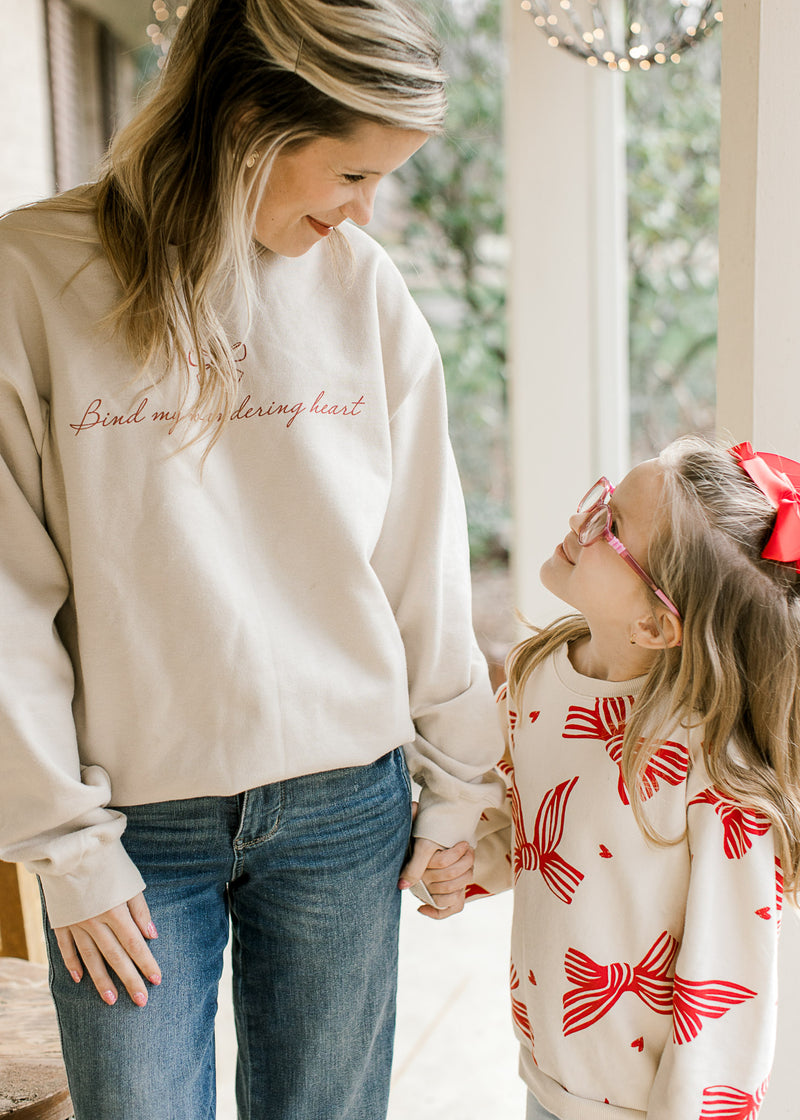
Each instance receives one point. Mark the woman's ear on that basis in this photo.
(660, 631)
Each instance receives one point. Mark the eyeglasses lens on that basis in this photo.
(593, 525)
(595, 495)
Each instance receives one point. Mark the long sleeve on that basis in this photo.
(492, 873)
(53, 817)
(422, 561)
(725, 988)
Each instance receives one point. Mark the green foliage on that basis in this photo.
(673, 199)
(453, 251)
(453, 257)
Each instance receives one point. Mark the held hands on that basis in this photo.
(444, 872)
(116, 938)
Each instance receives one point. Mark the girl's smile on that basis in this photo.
(563, 554)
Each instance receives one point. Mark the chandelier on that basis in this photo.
(162, 32)
(625, 34)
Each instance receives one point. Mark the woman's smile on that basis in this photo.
(320, 227)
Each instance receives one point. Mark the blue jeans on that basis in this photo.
(306, 873)
(537, 1111)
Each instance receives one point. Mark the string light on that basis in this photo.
(648, 32)
(162, 32)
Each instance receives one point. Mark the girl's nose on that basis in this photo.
(575, 522)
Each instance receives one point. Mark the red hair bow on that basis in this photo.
(778, 479)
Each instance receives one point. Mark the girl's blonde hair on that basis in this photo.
(175, 203)
(737, 672)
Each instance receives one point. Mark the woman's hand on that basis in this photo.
(445, 873)
(117, 938)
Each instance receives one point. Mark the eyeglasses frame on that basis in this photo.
(606, 534)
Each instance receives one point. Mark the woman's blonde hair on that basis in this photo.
(737, 671)
(175, 202)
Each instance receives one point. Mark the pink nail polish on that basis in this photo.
(403, 885)
(110, 998)
(152, 932)
(139, 998)
(76, 976)
(156, 980)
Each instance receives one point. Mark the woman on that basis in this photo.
(236, 571)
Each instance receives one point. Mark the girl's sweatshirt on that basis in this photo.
(302, 604)
(643, 977)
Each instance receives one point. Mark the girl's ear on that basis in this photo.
(664, 631)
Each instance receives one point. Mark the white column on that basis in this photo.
(26, 168)
(758, 390)
(758, 386)
(567, 289)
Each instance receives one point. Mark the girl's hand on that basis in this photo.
(445, 873)
(115, 938)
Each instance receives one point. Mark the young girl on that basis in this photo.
(653, 813)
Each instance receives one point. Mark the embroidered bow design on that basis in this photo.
(695, 1000)
(606, 722)
(777, 478)
(723, 1102)
(598, 987)
(738, 822)
(548, 829)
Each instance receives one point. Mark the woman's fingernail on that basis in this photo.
(403, 885)
(139, 998)
(110, 998)
(155, 979)
(76, 976)
(152, 932)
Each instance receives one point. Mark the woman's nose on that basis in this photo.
(359, 208)
(575, 522)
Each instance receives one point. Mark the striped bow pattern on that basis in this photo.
(598, 987)
(723, 1102)
(695, 1000)
(540, 853)
(519, 1011)
(606, 722)
(738, 822)
(778, 891)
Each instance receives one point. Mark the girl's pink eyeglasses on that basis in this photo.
(597, 523)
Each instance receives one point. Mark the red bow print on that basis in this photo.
(600, 986)
(778, 891)
(694, 1001)
(778, 479)
(723, 1102)
(519, 1011)
(505, 768)
(540, 854)
(738, 822)
(606, 722)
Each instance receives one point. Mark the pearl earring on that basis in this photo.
(253, 157)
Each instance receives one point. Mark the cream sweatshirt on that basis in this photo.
(301, 605)
(643, 978)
